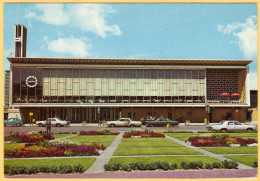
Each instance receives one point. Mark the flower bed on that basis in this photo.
(143, 134)
(103, 132)
(31, 137)
(53, 150)
(217, 140)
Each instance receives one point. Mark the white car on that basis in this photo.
(230, 125)
(54, 122)
(124, 122)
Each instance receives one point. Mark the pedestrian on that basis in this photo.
(48, 126)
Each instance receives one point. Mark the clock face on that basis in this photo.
(31, 81)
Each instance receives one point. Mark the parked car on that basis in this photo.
(144, 120)
(161, 122)
(230, 125)
(124, 122)
(54, 122)
(13, 122)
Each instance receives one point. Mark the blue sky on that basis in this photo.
(154, 31)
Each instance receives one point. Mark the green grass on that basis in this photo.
(96, 139)
(11, 146)
(149, 144)
(155, 151)
(56, 136)
(182, 136)
(231, 150)
(145, 140)
(246, 159)
(86, 162)
(170, 159)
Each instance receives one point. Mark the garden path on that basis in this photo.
(98, 165)
(207, 153)
(63, 137)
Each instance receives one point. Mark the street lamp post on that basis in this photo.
(236, 114)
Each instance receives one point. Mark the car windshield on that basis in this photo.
(59, 119)
(222, 122)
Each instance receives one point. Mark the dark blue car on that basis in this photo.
(13, 122)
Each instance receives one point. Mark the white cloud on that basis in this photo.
(78, 47)
(253, 81)
(86, 17)
(246, 35)
(50, 13)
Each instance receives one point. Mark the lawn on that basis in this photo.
(146, 140)
(86, 162)
(170, 159)
(155, 151)
(91, 139)
(231, 150)
(149, 144)
(182, 136)
(56, 136)
(246, 159)
(11, 146)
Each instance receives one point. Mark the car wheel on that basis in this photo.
(147, 125)
(58, 125)
(112, 125)
(249, 129)
(132, 125)
(40, 125)
(223, 130)
(18, 124)
(151, 125)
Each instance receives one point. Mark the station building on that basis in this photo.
(90, 90)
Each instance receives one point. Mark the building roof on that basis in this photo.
(127, 61)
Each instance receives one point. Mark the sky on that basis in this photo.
(145, 31)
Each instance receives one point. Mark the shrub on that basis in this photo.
(216, 165)
(126, 167)
(255, 164)
(229, 164)
(185, 165)
(44, 169)
(158, 164)
(165, 165)
(132, 165)
(209, 166)
(78, 168)
(151, 166)
(54, 169)
(7, 169)
(173, 166)
(196, 165)
(141, 166)
(116, 166)
(65, 169)
(108, 167)
(21, 169)
(32, 170)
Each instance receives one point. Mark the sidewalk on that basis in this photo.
(180, 174)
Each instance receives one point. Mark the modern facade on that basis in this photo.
(92, 89)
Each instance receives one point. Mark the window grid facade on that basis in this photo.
(64, 85)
